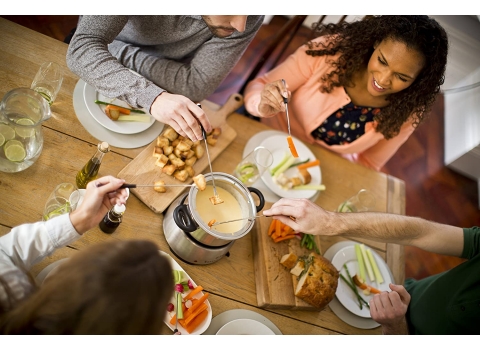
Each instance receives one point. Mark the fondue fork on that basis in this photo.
(135, 185)
(285, 100)
(204, 134)
(249, 218)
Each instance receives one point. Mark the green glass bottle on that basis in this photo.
(90, 171)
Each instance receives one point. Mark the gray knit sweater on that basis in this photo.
(178, 54)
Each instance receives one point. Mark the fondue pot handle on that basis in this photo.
(182, 218)
(260, 196)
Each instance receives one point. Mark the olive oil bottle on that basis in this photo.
(112, 219)
(90, 171)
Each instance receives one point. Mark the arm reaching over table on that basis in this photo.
(164, 64)
(382, 227)
(425, 306)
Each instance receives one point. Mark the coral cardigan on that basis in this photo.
(309, 107)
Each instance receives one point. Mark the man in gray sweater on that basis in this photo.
(162, 63)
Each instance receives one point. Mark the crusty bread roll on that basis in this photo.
(305, 176)
(317, 285)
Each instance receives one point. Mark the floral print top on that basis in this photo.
(345, 125)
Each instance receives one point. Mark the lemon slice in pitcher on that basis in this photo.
(7, 132)
(14, 151)
(24, 132)
(2, 139)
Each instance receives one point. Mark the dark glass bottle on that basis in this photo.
(113, 218)
(90, 171)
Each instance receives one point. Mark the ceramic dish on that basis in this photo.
(253, 142)
(344, 294)
(98, 113)
(114, 139)
(244, 326)
(204, 325)
(272, 143)
(223, 318)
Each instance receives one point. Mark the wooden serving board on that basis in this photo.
(275, 285)
(143, 171)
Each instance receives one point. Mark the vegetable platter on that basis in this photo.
(190, 292)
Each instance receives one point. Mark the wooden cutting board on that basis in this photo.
(275, 285)
(142, 169)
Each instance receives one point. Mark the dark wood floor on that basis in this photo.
(433, 191)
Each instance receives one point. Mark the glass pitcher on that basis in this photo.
(22, 112)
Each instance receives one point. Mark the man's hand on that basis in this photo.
(309, 217)
(181, 114)
(389, 309)
(271, 101)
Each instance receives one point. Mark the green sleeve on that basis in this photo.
(471, 242)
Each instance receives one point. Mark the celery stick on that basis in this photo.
(134, 118)
(361, 264)
(285, 158)
(285, 166)
(376, 271)
(309, 187)
(367, 263)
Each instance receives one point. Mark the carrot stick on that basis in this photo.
(195, 313)
(117, 108)
(200, 302)
(271, 229)
(279, 239)
(275, 235)
(365, 286)
(193, 292)
(293, 150)
(190, 328)
(188, 312)
(278, 227)
(308, 164)
(288, 230)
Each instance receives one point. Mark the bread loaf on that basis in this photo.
(318, 284)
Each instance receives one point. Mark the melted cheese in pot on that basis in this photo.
(229, 210)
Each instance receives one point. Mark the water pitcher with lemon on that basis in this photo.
(22, 112)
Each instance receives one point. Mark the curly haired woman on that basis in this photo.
(360, 89)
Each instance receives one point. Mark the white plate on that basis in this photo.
(253, 142)
(204, 325)
(344, 294)
(103, 134)
(48, 271)
(278, 145)
(97, 112)
(336, 307)
(235, 314)
(245, 326)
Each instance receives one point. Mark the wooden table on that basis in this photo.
(231, 281)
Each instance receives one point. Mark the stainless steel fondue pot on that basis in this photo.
(194, 241)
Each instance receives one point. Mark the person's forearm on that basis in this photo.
(405, 230)
(398, 329)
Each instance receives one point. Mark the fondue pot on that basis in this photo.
(191, 239)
